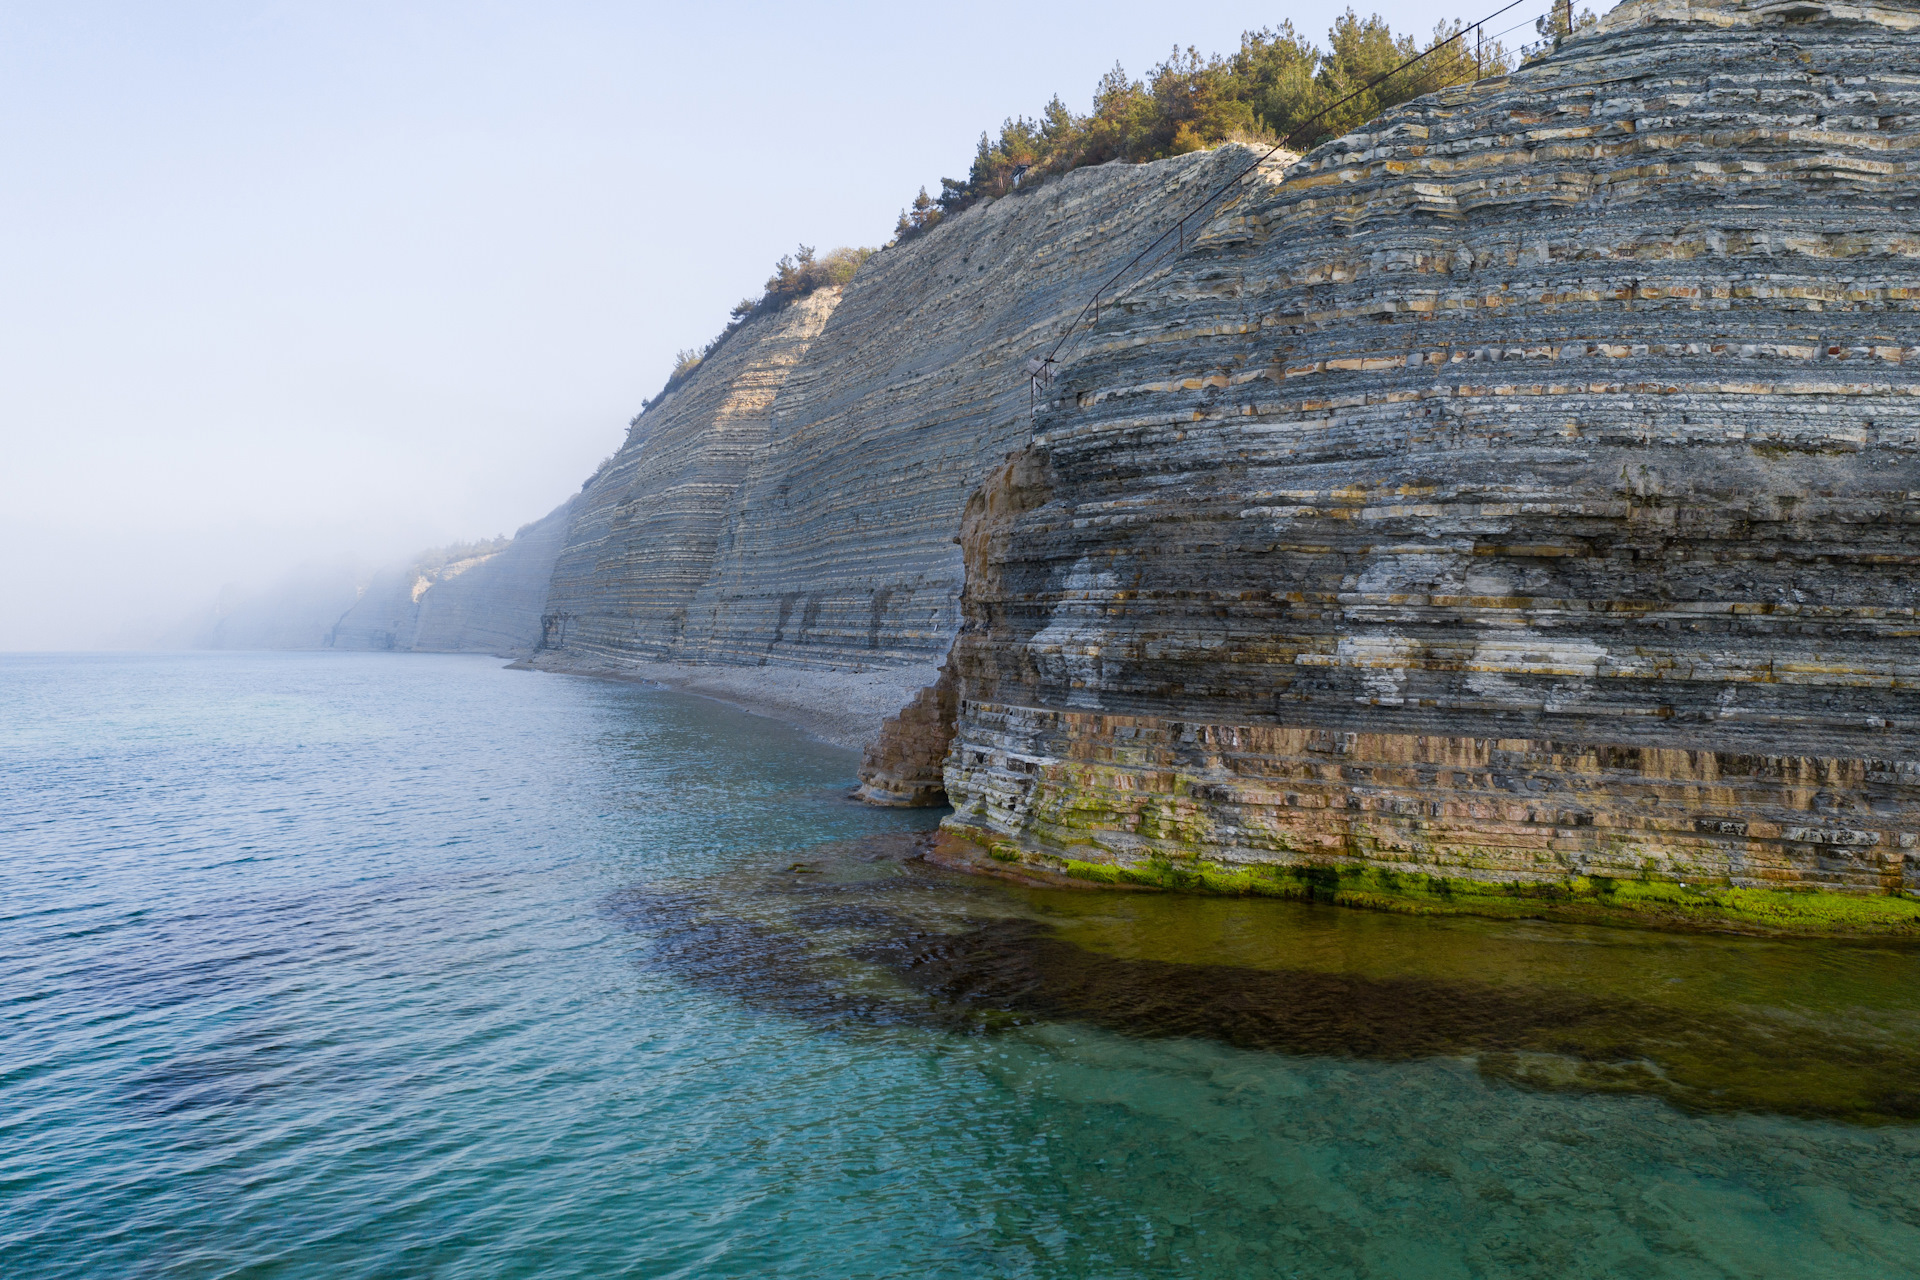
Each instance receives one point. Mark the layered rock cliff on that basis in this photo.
(794, 504)
(842, 550)
(642, 540)
(1524, 489)
(387, 613)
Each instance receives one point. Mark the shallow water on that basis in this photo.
(372, 965)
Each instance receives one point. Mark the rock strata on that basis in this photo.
(645, 529)
(904, 765)
(1524, 489)
(794, 504)
(840, 552)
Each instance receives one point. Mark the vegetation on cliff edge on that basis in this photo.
(796, 275)
(1273, 87)
(1267, 91)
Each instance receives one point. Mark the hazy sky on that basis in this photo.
(281, 282)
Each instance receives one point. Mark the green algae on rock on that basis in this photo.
(1579, 899)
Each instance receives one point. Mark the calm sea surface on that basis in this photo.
(395, 965)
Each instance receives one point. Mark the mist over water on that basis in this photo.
(368, 965)
(297, 283)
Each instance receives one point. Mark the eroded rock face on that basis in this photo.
(1526, 486)
(842, 551)
(905, 765)
(795, 503)
(645, 528)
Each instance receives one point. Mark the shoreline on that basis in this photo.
(840, 708)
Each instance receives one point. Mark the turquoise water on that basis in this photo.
(395, 965)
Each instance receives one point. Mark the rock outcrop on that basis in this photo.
(1524, 489)
(905, 765)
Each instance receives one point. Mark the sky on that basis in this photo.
(284, 283)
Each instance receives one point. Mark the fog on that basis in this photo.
(296, 284)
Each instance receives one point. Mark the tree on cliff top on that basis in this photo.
(1265, 92)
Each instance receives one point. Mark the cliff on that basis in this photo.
(642, 539)
(480, 597)
(1522, 491)
(794, 505)
(386, 615)
(473, 598)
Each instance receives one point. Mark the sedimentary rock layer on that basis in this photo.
(644, 530)
(814, 528)
(1525, 486)
(842, 551)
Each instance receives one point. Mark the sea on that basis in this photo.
(395, 965)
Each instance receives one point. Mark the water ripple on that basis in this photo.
(376, 965)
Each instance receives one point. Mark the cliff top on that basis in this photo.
(1900, 15)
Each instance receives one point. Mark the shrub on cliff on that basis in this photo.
(1271, 89)
(798, 274)
(795, 276)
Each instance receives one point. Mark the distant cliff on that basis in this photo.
(495, 606)
(388, 612)
(294, 612)
(472, 597)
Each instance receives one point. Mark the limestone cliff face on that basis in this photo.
(841, 551)
(388, 611)
(643, 535)
(1527, 485)
(905, 765)
(796, 502)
